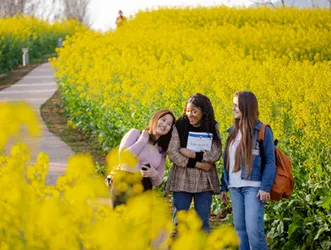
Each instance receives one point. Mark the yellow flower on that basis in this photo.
(137, 189)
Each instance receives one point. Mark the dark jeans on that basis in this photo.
(202, 204)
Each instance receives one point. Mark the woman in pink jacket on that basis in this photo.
(150, 148)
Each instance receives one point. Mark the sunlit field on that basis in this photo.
(39, 36)
(75, 213)
(114, 81)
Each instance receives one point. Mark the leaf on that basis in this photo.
(325, 203)
(292, 229)
(280, 227)
(323, 229)
(309, 220)
(296, 224)
(308, 197)
(326, 244)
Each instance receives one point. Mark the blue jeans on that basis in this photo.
(248, 213)
(202, 204)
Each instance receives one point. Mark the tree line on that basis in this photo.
(47, 9)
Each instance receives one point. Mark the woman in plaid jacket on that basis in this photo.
(193, 174)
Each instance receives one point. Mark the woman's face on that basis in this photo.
(193, 113)
(164, 125)
(235, 109)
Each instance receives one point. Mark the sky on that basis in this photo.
(103, 13)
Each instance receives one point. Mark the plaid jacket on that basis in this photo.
(192, 180)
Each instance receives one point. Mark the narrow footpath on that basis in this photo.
(36, 88)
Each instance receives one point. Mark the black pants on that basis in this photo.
(147, 183)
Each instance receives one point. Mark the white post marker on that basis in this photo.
(25, 56)
(59, 42)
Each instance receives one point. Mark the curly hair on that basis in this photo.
(208, 121)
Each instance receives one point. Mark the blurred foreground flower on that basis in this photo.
(14, 117)
(70, 216)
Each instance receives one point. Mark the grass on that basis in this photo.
(52, 112)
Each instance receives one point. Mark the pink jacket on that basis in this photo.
(146, 153)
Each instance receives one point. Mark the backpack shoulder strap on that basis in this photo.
(261, 140)
(261, 132)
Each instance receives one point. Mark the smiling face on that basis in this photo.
(194, 114)
(163, 125)
(236, 112)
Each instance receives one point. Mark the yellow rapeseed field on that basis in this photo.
(114, 81)
(72, 215)
(41, 37)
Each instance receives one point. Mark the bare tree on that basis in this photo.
(18, 7)
(10, 8)
(299, 3)
(50, 9)
(76, 9)
(264, 2)
(31, 7)
(320, 3)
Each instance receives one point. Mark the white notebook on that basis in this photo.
(197, 141)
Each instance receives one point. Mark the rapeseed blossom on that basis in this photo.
(71, 214)
(39, 36)
(161, 57)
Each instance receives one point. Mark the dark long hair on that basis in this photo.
(248, 107)
(163, 140)
(207, 123)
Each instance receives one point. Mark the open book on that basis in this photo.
(198, 141)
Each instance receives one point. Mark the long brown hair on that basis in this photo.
(248, 107)
(163, 140)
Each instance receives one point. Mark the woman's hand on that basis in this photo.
(187, 153)
(204, 166)
(224, 197)
(149, 172)
(264, 196)
(144, 134)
